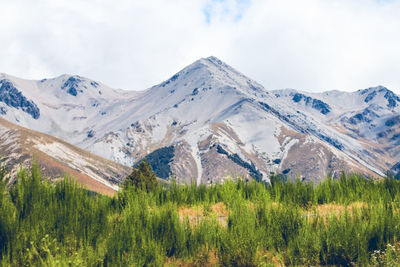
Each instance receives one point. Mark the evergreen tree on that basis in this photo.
(142, 178)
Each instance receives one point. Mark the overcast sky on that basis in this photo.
(313, 45)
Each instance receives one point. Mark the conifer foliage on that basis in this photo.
(142, 178)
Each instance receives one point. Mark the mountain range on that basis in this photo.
(209, 121)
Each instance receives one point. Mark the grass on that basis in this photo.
(341, 222)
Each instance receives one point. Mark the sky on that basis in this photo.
(311, 45)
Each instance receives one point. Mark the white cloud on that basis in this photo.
(310, 44)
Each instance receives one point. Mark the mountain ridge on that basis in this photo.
(20, 146)
(210, 105)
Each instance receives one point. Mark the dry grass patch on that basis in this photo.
(220, 212)
(193, 214)
(337, 210)
(197, 213)
(219, 209)
(325, 211)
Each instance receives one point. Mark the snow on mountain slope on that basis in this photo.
(217, 121)
(367, 118)
(56, 158)
(65, 106)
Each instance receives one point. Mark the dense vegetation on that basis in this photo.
(142, 177)
(351, 220)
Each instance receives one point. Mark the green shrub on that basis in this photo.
(43, 223)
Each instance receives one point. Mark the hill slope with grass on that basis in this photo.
(57, 158)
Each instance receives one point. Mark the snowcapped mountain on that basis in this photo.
(367, 117)
(209, 121)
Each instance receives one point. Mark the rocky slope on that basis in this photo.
(209, 121)
(57, 159)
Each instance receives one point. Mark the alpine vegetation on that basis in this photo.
(344, 222)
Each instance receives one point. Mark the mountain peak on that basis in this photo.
(215, 60)
(211, 72)
(212, 58)
(73, 85)
(373, 93)
(212, 63)
(378, 88)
